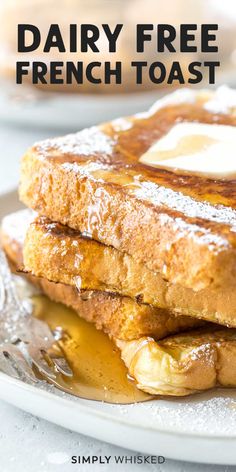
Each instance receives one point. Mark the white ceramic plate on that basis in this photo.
(71, 112)
(200, 429)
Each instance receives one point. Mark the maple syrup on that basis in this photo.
(98, 370)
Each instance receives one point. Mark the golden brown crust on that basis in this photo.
(118, 316)
(179, 225)
(178, 365)
(183, 364)
(56, 252)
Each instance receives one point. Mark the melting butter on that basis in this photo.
(98, 371)
(208, 149)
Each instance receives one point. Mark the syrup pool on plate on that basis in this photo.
(98, 370)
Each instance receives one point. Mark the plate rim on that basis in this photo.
(105, 415)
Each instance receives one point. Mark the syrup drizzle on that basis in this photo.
(98, 371)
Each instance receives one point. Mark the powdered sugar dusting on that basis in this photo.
(203, 350)
(185, 204)
(78, 144)
(223, 101)
(16, 224)
(212, 413)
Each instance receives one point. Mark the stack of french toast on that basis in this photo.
(134, 227)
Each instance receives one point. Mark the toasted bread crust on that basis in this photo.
(178, 365)
(179, 225)
(183, 364)
(56, 252)
(120, 317)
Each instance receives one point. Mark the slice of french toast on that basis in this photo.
(179, 224)
(182, 364)
(178, 365)
(120, 317)
(60, 254)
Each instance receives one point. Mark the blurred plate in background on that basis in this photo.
(31, 107)
(68, 112)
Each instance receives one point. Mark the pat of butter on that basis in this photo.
(208, 149)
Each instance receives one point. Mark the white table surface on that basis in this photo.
(31, 444)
